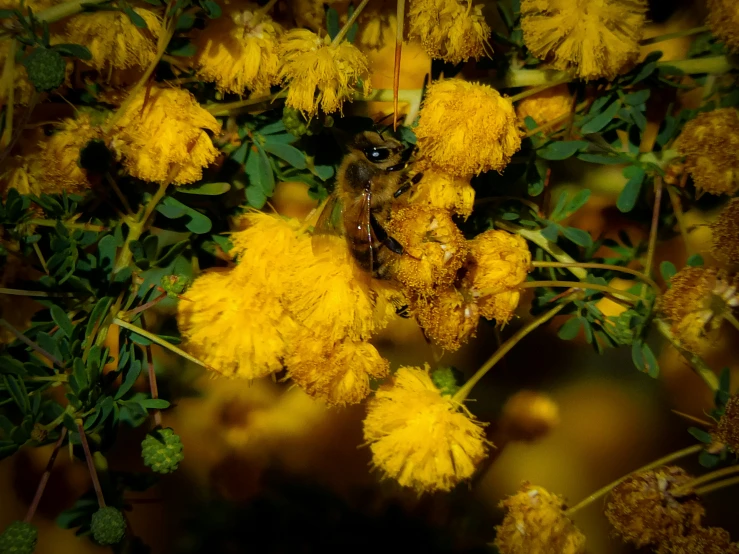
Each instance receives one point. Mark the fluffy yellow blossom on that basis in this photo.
(338, 374)
(440, 190)
(643, 509)
(161, 136)
(703, 540)
(723, 19)
(20, 172)
(547, 105)
(726, 233)
(448, 318)
(114, 42)
(434, 248)
(320, 74)
(536, 523)
(59, 154)
(593, 39)
(727, 430)
(238, 51)
(529, 415)
(236, 326)
(451, 30)
(710, 144)
(696, 303)
(467, 128)
(498, 262)
(419, 437)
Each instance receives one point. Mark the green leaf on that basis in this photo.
(17, 390)
(701, 435)
(154, 404)
(185, 22)
(632, 189)
(650, 360)
(561, 150)
(551, 232)
(135, 18)
(324, 172)
(272, 128)
(637, 98)
(211, 8)
(597, 123)
(578, 236)
(570, 329)
(74, 51)
(604, 159)
(256, 197)
(206, 189)
(174, 209)
(332, 22)
(668, 270)
(696, 260)
(578, 201)
(106, 252)
(290, 154)
(133, 372)
(80, 374)
(186, 50)
(61, 318)
(708, 460)
(259, 172)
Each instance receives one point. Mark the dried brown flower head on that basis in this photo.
(726, 233)
(704, 540)
(728, 426)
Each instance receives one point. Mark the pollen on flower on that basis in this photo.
(434, 248)
(238, 51)
(451, 30)
(420, 438)
(441, 190)
(723, 20)
(319, 74)
(447, 317)
(237, 327)
(710, 144)
(339, 374)
(113, 40)
(644, 510)
(536, 521)
(593, 39)
(161, 136)
(703, 540)
(727, 430)
(467, 128)
(726, 233)
(547, 105)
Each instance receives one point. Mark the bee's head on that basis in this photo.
(385, 152)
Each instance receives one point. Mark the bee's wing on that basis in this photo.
(328, 225)
(363, 240)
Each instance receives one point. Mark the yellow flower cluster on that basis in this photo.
(536, 523)
(451, 30)
(238, 51)
(710, 144)
(440, 190)
(591, 39)
(161, 136)
(702, 540)
(419, 437)
(723, 19)
(546, 106)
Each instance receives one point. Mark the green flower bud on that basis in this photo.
(46, 69)
(297, 125)
(162, 450)
(623, 327)
(174, 284)
(447, 380)
(19, 538)
(108, 525)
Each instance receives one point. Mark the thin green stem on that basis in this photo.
(677, 209)
(28, 342)
(712, 476)
(161, 342)
(543, 126)
(40, 257)
(655, 226)
(232, 108)
(348, 25)
(67, 224)
(45, 477)
(657, 463)
(91, 465)
(61, 378)
(581, 285)
(464, 391)
(696, 362)
(400, 21)
(153, 388)
(731, 319)
(118, 193)
(670, 36)
(35, 293)
(609, 267)
(8, 79)
(65, 9)
(716, 486)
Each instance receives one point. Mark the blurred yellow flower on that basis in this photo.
(702, 540)
(726, 233)
(723, 19)
(643, 509)
(238, 50)
(22, 88)
(20, 172)
(236, 326)
(710, 144)
(727, 430)
(440, 190)
(447, 317)
(419, 437)
(451, 30)
(161, 136)
(536, 523)
(114, 42)
(467, 128)
(528, 415)
(547, 105)
(320, 74)
(593, 39)
(337, 373)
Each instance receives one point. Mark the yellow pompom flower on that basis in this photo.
(536, 523)
(440, 190)
(643, 509)
(320, 74)
(726, 233)
(727, 430)
(377, 24)
(161, 136)
(703, 540)
(238, 51)
(723, 20)
(235, 326)
(547, 105)
(20, 172)
(451, 30)
(339, 374)
(114, 42)
(419, 437)
(434, 248)
(594, 39)
(467, 128)
(710, 144)
(498, 262)
(448, 318)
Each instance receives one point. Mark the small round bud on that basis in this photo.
(46, 69)
(622, 327)
(296, 124)
(162, 450)
(174, 284)
(108, 525)
(447, 380)
(19, 538)
(39, 434)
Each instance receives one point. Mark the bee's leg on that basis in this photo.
(397, 167)
(408, 184)
(386, 240)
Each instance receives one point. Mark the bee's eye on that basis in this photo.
(376, 154)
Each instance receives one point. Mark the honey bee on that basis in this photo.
(370, 177)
